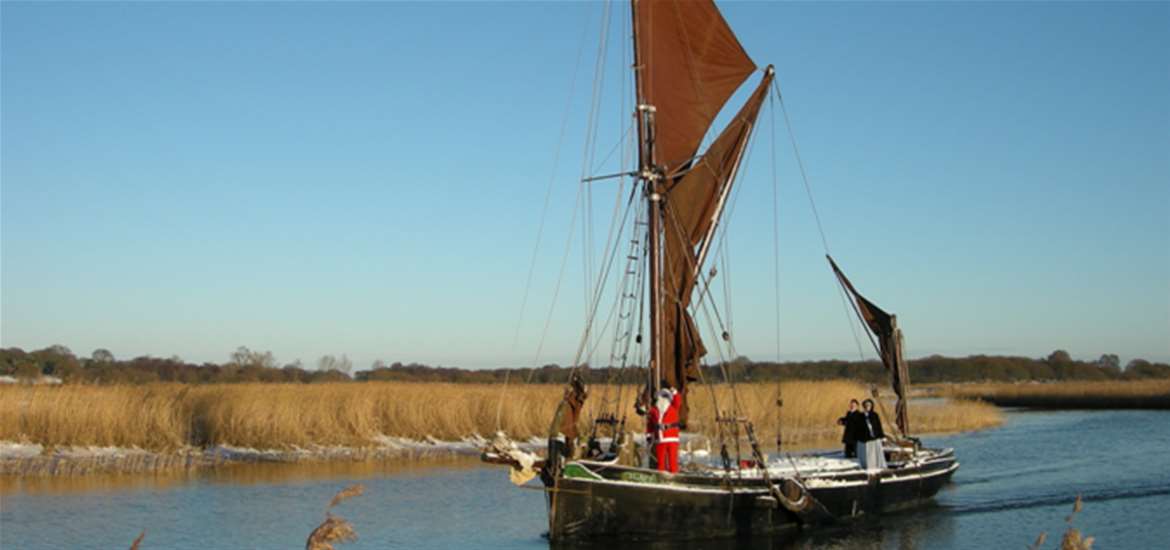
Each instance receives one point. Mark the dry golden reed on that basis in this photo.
(138, 541)
(811, 409)
(1133, 394)
(334, 529)
(1073, 540)
(154, 417)
(165, 417)
(346, 494)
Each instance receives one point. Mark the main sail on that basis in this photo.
(688, 63)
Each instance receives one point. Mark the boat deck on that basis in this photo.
(813, 470)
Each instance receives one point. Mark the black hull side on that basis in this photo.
(611, 508)
(582, 509)
(884, 494)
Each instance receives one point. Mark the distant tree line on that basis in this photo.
(1057, 366)
(245, 365)
(101, 367)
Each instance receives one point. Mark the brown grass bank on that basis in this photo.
(166, 417)
(1138, 394)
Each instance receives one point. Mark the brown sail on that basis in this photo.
(689, 62)
(885, 327)
(693, 199)
(692, 204)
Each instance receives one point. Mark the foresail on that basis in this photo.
(692, 206)
(689, 64)
(885, 327)
(694, 200)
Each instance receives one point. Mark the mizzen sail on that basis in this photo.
(885, 327)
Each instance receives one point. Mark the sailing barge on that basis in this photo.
(687, 64)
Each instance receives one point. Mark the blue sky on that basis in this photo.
(368, 178)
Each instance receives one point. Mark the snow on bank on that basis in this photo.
(13, 450)
(9, 449)
(22, 458)
(383, 446)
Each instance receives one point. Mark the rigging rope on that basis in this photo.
(725, 227)
(813, 204)
(624, 331)
(725, 256)
(671, 215)
(548, 189)
(568, 240)
(800, 164)
(706, 309)
(587, 156)
(602, 276)
(775, 227)
(611, 243)
(609, 265)
(621, 142)
(544, 210)
(628, 155)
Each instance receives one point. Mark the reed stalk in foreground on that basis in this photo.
(1072, 539)
(167, 417)
(138, 541)
(334, 529)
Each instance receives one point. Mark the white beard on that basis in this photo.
(662, 405)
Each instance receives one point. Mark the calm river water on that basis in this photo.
(1015, 482)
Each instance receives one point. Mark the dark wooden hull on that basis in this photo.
(638, 504)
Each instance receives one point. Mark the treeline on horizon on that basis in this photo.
(245, 365)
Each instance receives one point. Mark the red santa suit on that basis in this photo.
(662, 429)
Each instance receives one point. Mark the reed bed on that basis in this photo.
(172, 417)
(1135, 394)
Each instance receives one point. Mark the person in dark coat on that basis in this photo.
(853, 422)
(563, 433)
(869, 446)
(871, 423)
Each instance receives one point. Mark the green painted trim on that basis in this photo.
(639, 477)
(574, 470)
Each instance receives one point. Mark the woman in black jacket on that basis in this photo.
(853, 421)
(869, 446)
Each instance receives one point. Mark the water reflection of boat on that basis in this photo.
(687, 64)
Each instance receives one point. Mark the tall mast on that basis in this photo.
(650, 178)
